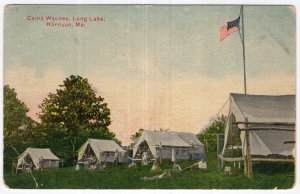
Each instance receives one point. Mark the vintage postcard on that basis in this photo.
(149, 96)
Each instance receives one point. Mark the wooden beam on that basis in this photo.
(286, 142)
(240, 159)
(265, 128)
(273, 160)
(266, 123)
(230, 159)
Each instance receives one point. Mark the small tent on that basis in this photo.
(261, 126)
(102, 150)
(34, 156)
(161, 144)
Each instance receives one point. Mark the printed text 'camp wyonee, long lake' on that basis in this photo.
(64, 21)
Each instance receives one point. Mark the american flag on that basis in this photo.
(229, 28)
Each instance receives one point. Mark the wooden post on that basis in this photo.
(231, 142)
(248, 153)
(206, 144)
(192, 151)
(218, 151)
(218, 144)
(245, 156)
(160, 154)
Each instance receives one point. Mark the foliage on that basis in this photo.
(137, 134)
(14, 115)
(121, 177)
(161, 130)
(18, 129)
(73, 114)
(208, 135)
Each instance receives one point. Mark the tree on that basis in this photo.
(14, 114)
(208, 135)
(137, 134)
(73, 114)
(18, 127)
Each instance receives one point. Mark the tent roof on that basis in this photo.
(41, 152)
(265, 108)
(36, 154)
(105, 145)
(190, 138)
(163, 138)
(98, 146)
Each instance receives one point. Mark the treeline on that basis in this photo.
(67, 118)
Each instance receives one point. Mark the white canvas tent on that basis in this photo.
(262, 127)
(161, 144)
(103, 150)
(275, 113)
(34, 155)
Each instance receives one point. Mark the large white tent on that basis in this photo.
(162, 144)
(34, 155)
(270, 121)
(103, 150)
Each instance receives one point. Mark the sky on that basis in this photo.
(157, 66)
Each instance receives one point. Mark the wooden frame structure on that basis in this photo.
(248, 159)
(268, 121)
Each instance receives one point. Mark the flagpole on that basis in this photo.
(243, 42)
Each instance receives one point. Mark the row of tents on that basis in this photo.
(157, 144)
(261, 127)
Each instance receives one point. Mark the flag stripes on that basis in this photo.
(229, 28)
(224, 32)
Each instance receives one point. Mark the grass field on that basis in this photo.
(121, 177)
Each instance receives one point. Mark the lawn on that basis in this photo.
(120, 177)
